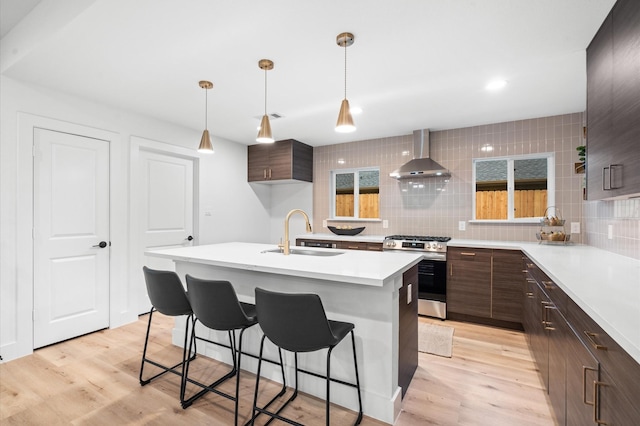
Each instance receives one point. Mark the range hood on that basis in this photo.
(421, 165)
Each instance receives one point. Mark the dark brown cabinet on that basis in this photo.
(613, 104)
(506, 286)
(583, 369)
(469, 281)
(485, 284)
(280, 161)
(408, 328)
(557, 330)
(359, 245)
(590, 379)
(536, 303)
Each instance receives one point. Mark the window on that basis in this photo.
(355, 193)
(516, 188)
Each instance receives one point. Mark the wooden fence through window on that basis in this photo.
(527, 203)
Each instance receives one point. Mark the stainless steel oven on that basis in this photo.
(432, 270)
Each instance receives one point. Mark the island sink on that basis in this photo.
(305, 252)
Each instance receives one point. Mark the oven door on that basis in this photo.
(432, 280)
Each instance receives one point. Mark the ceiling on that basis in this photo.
(414, 64)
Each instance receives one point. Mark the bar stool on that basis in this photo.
(215, 304)
(298, 323)
(168, 297)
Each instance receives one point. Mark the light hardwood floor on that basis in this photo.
(93, 379)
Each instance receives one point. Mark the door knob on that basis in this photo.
(101, 244)
(189, 238)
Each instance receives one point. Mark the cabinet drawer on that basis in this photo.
(469, 255)
(623, 369)
(555, 294)
(374, 246)
(352, 245)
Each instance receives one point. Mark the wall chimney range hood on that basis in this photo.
(421, 165)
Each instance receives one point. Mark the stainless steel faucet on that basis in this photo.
(285, 245)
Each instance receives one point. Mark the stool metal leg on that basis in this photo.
(263, 410)
(210, 388)
(144, 351)
(355, 363)
(165, 369)
(328, 385)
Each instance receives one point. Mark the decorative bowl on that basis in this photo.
(345, 230)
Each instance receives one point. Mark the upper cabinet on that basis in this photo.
(280, 162)
(613, 105)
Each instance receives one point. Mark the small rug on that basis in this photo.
(435, 339)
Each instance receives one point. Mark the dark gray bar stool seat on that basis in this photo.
(298, 323)
(168, 297)
(216, 305)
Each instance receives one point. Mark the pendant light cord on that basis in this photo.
(206, 106)
(345, 70)
(265, 91)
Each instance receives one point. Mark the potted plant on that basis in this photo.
(579, 167)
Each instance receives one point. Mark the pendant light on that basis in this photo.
(205, 142)
(345, 121)
(264, 134)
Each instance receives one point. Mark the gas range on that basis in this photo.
(431, 247)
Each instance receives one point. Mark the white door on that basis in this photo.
(165, 209)
(71, 223)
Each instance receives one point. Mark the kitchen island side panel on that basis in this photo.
(373, 310)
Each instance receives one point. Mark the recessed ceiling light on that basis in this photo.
(486, 148)
(496, 85)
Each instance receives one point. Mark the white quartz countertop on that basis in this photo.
(351, 266)
(605, 285)
(334, 237)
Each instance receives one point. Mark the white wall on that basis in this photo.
(240, 212)
(284, 198)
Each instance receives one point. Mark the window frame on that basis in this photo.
(356, 193)
(551, 185)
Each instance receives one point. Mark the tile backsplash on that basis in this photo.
(436, 206)
(622, 217)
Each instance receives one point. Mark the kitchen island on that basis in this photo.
(355, 286)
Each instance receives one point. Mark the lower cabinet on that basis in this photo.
(590, 379)
(506, 285)
(408, 328)
(534, 325)
(359, 245)
(469, 281)
(583, 369)
(485, 284)
(557, 330)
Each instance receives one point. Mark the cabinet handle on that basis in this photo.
(451, 269)
(547, 324)
(529, 295)
(270, 173)
(530, 265)
(610, 169)
(548, 285)
(596, 405)
(543, 305)
(264, 173)
(591, 337)
(353, 247)
(584, 385)
(464, 253)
